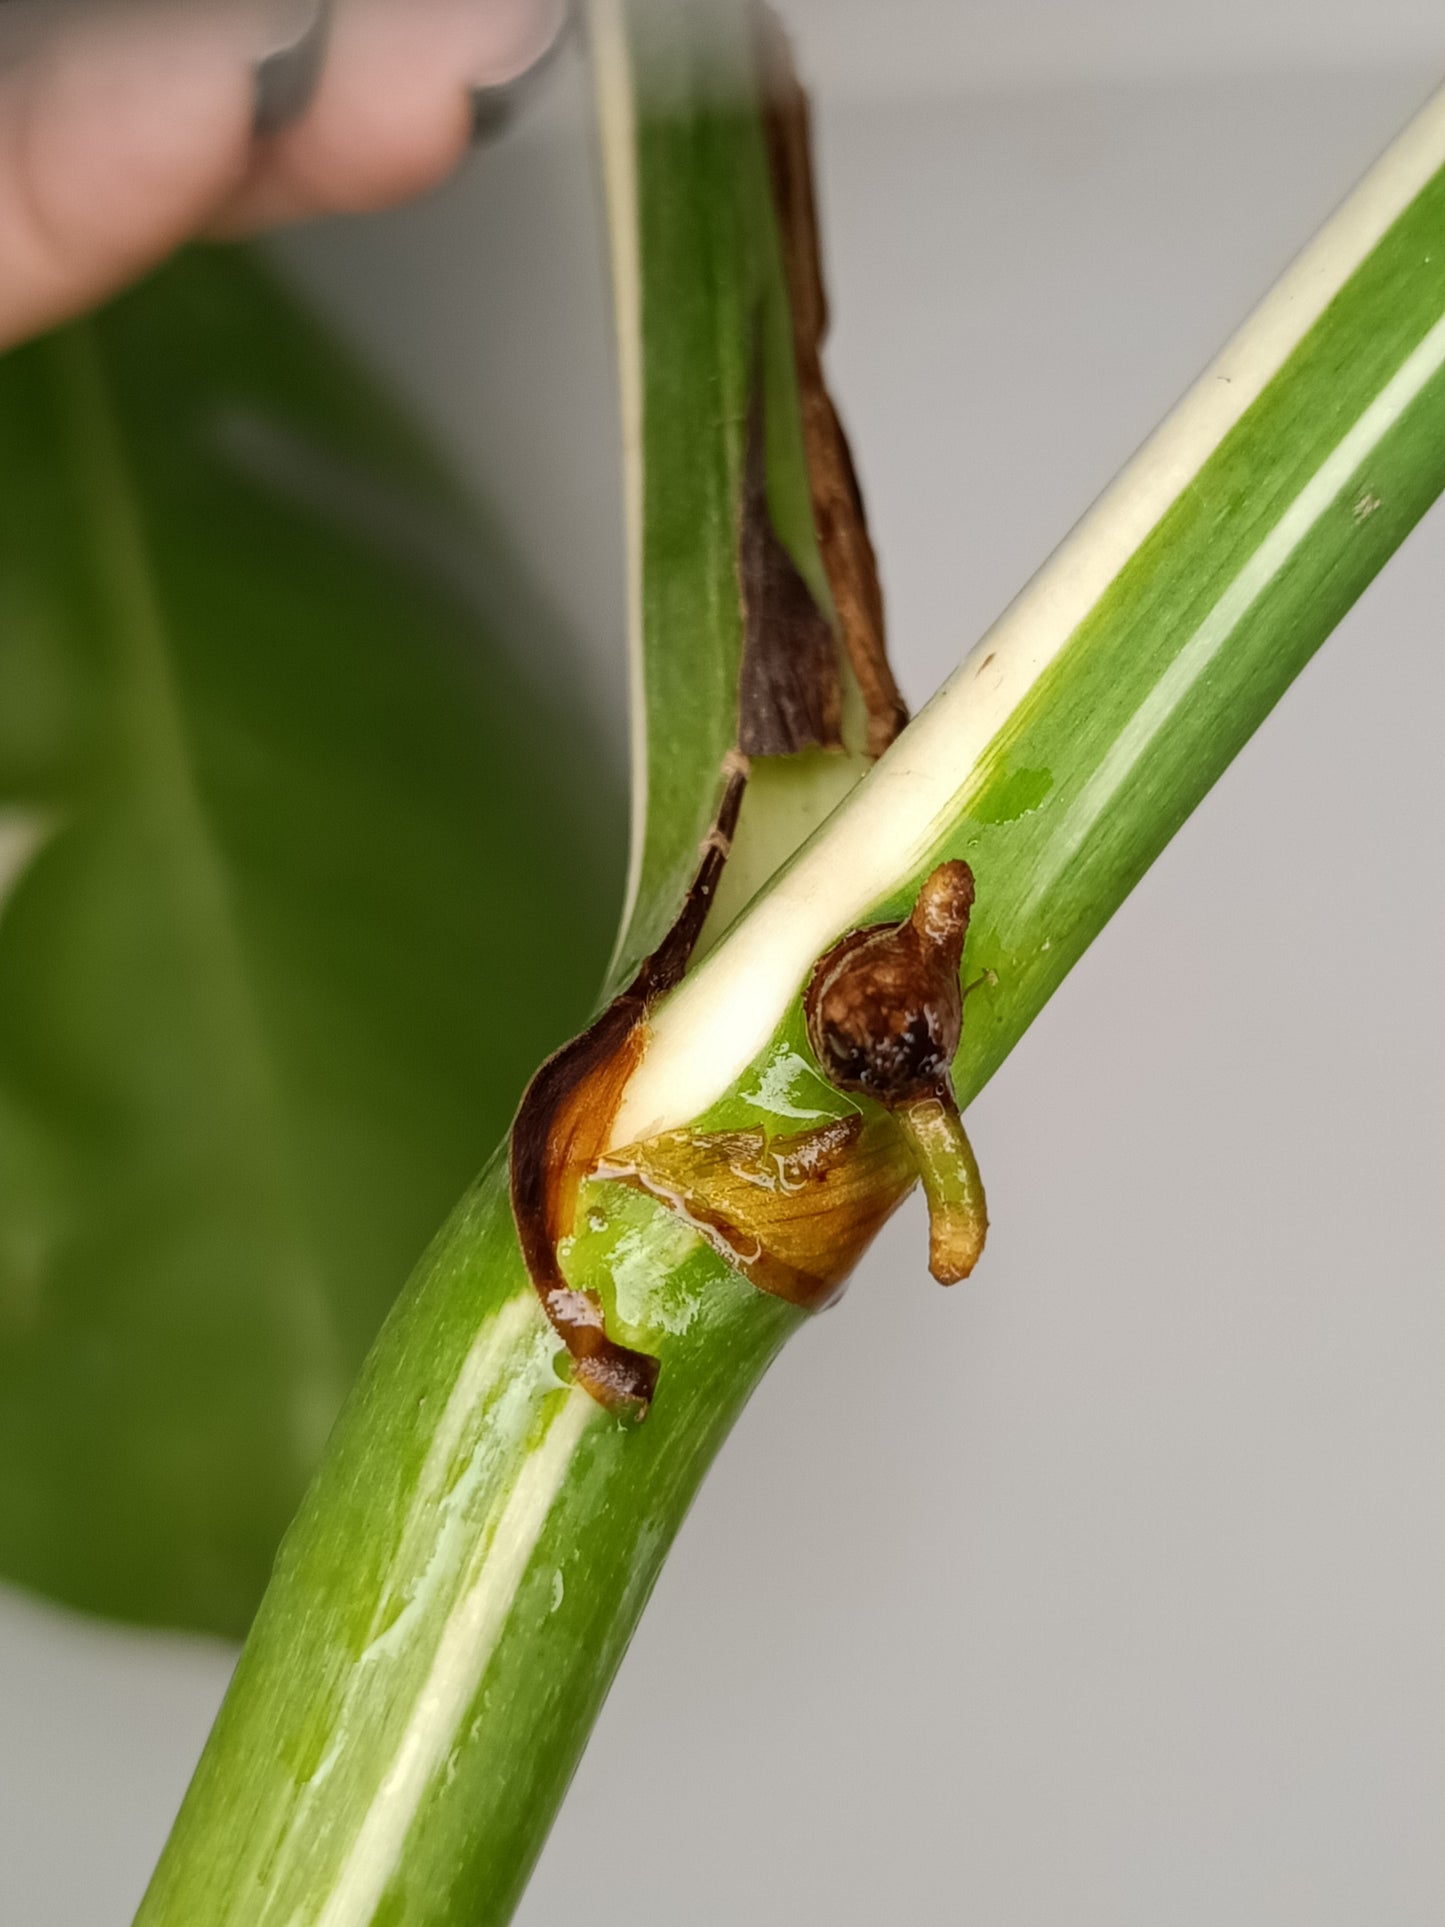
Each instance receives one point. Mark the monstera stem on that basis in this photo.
(450, 1605)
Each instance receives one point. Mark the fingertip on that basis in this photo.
(120, 131)
(392, 113)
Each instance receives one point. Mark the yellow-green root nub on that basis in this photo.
(957, 1210)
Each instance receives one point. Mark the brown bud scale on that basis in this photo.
(884, 1008)
(884, 1012)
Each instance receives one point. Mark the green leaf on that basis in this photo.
(280, 940)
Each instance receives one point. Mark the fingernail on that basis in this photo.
(287, 77)
(495, 107)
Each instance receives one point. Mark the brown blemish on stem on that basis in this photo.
(566, 1113)
(792, 1213)
(884, 1012)
(838, 513)
(790, 696)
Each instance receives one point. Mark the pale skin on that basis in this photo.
(127, 127)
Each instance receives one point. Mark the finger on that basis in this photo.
(391, 115)
(122, 130)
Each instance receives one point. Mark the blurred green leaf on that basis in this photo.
(298, 879)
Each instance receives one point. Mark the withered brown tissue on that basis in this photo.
(790, 694)
(560, 1126)
(838, 513)
(792, 1213)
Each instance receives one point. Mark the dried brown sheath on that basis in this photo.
(793, 1214)
(789, 693)
(566, 1113)
(838, 513)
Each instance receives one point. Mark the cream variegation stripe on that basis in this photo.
(617, 132)
(470, 1562)
(722, 1016)
(469, 1634)
(1320, 493)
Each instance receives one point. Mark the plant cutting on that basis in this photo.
(457, 1590)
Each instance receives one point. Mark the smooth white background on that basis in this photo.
(1107, 1588)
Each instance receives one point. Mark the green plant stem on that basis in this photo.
(475, 1520)
(456, 1593)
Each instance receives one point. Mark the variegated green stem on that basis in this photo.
(1096, 713)
(449, 1608)
(451, 1603)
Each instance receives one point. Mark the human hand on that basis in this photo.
(128, 127)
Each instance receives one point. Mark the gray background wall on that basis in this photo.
(1109, 1587)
